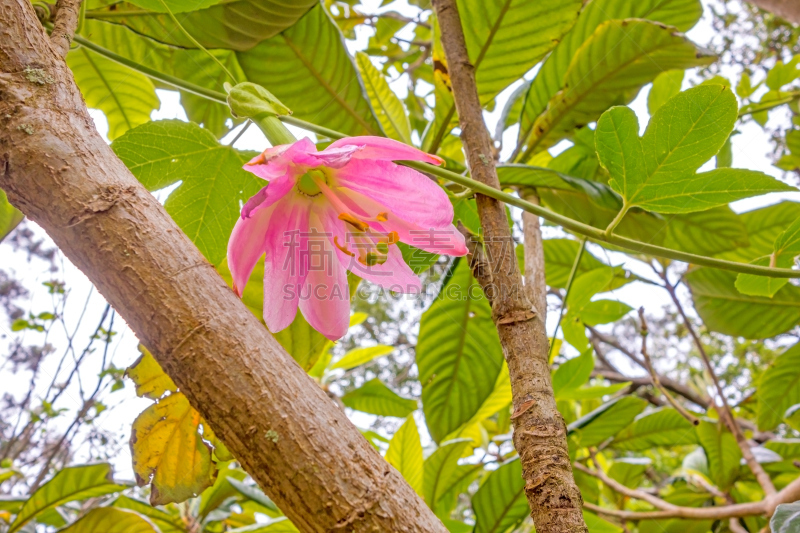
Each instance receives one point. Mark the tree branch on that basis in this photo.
(785, 9)
(66, 21)
(724, 410)
(299, 447)
(539, 429)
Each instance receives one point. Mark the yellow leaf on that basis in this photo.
(151, 382)
(169, 453)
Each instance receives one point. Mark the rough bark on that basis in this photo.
(299, 447)
(539, 429)
(66, 20)
(534, 258)
(786, 9)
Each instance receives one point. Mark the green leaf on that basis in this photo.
(662, 427)
(504, 39)
(439, 468)
(786, 448)
(783, 73)
(682, 14)
(175, 6)
(745, 88)
(500, 504)
(763, 226)
(598, 525)
(359, 356)
(586, 286)
(594, 392)
(497, 400)
(125, 96)
(559, 256)
(724, 455)
(657, 172)
(725, 310)
(792, 417)
(111, 520)
(458, 354)
(707, 232)
(166, 522)
(376, 398)
(72, 483)
(169, 452)
(665, 86)
(725, 154)
(779, 388)
(606, 421)
(597, 79)
(785, 250)
(573, 373)
(235, 24)
(387, 106)
(278, 525)
(786, 518)
(458, 484)
(538, 177)
(148, 377)
(206, 204)
(10, 216)
(253, 493)
(405, 453)
(308, 68)
(604, 312)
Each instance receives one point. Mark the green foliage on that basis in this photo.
(308, 68)
(665, 86)
(388, 108)
(662, 427)
(458, 354)
(360, 356)
(10, 217)
(236, 24)
(68, 485)
(500, 504)
(405, 454)
(440, 468)
(784, 253)
(376, 398)
(779, 388)
(125, 97)
(605, 421)
(657, 172)
(723, 454)
(206, 204)
(112, 520)
(786, 518)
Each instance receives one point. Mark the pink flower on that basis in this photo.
(326, 212)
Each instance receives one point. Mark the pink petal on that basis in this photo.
(394, 274)
(404, 191)
(274, 191)
(246, 245)
(274, 162)
(336, 157)
(284, 270)
(445, 240)
(381, 148)
(324, 298)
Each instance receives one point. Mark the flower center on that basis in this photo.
(372, 246)
(307, 184)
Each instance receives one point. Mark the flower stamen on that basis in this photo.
(344, 249)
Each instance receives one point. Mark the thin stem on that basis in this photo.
(567, 223)
(241, 132)
(725, 411)
(655, 378)
(196, 43)
(765, 106)
(572, 274)
(617, 219)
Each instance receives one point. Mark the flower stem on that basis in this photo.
(572, 275)
(595, 234)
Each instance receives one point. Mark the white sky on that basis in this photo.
(750, 150)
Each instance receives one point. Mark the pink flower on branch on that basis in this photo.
(326, 212)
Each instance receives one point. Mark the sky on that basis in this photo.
(751, 149)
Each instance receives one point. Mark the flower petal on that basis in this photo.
(394, 274)
(274, 191)
(246, 245)
(381, 148)
(404, 191)
(274, 162)
(284, 270)
(324, 297)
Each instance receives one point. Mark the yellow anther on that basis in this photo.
(382, 217)
(393, 237)
(342, 248)
(360, 225)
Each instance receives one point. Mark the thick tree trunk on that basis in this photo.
(286, 432)
(786, 9)
(539, 429)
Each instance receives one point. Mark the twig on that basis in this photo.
(572, 274)
(725, 411)
(66, 21)
(654, 376)
(655, 501)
